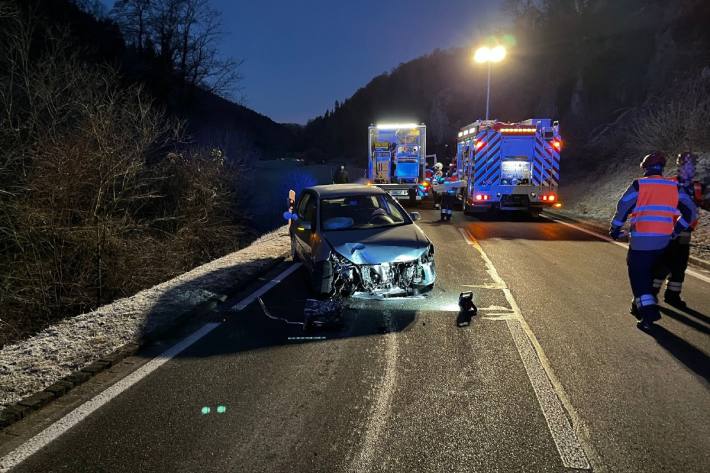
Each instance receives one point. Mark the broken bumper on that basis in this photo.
(385, 279)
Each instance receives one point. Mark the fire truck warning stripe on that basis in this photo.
(491, 161)
(489, 175)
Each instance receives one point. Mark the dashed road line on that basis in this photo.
(383, 400)
(550, 394)
(500, 317)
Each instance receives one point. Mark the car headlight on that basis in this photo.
(428, 255)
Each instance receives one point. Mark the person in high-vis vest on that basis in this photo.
(659, 211)
(435, 179)
(448, 198)
(675, 260)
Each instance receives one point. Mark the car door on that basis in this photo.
(303, 232)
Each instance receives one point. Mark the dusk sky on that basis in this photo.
(299, 57)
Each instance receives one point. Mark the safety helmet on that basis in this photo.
(687, 157)
(656, 159)
(438, 166)
(686, 166)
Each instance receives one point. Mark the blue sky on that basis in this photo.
(301, 56)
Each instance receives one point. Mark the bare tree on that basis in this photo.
(674, 122)
(133, 17)
(99, 195)
(186, 34)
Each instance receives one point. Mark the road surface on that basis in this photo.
(551, 375)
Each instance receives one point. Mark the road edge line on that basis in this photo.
(75, 416)
(556, 219)
(244, 303)
(61, 426)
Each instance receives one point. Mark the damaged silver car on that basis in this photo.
(358, 239)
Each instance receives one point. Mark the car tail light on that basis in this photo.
(480, 197)
(549, 197)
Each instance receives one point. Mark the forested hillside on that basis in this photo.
(622, 77)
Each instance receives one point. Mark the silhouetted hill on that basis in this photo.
(597, 66)
(243, 132)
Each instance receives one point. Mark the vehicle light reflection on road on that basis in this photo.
(207, 410)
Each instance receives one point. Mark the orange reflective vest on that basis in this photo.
(656, 208)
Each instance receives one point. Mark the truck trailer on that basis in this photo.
(509, 166)
(397, 159)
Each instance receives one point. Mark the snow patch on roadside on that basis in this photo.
(31, 365)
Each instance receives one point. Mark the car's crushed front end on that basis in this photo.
(392, 272)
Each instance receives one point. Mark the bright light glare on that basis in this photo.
(486, 54)
(497, 54)
(395, 126)
(482, 54)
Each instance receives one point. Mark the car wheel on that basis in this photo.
(294, 253)
(322, 279)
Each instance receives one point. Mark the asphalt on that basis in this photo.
(402, 387)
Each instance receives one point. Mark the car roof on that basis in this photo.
(344, 190)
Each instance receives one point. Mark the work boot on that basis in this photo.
(648, 315)
(645, 325)
(633, 310)
(672, 298)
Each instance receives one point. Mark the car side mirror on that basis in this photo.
(415, 216)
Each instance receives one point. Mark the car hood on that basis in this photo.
(379, 245)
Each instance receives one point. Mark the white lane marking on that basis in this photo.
(500, 317)
(497, 308)
(689, 271)
(550, 394)
(241, 305)
(482, 286)
(383, 401)
(58, 428)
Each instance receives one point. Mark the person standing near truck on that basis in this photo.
(341, 176)
(675, 260)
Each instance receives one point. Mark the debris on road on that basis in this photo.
(316, 314)
(467, 309)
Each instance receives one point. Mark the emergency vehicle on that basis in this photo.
(509, 166)
(397, 159)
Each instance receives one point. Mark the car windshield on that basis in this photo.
(360, 212)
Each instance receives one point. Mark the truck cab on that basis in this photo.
(397, 159)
